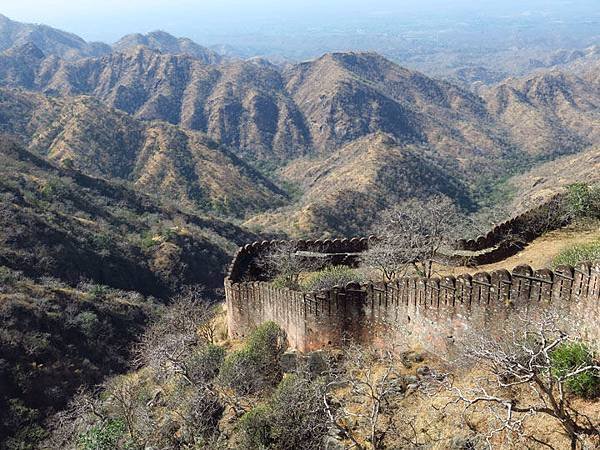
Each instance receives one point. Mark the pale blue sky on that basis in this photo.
(107, 20)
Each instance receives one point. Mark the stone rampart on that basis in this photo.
(433, 313)
(522, 228)
(245, 267)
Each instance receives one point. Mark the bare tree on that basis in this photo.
(187, 324)
(84, 409)
(526, 362)
(383, 256)
(410, 235)
(375, 390)
(282, 262)
(124, 401)
(199, 411)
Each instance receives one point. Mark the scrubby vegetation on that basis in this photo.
(67, 225)
(539, 370)
(83, 263)
(331, 276)
(293, 417)
(54, 339)
(570, 357)
(255, 367)
(583, 201)
(582, 204)
(187, 401)
(353, 397)
(578, 253)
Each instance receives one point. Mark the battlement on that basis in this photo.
(527, 225)
(433, 313)
(244, 266)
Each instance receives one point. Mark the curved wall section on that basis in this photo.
(432, 313)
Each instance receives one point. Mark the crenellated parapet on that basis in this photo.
(433, 313)
(527, 226)
(244, 264)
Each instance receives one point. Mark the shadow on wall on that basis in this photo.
(433, 313)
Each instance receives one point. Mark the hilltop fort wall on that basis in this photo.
(432, 313)
(524, 227)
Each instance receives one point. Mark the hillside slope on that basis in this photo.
(55, 340)
(156, 157)
(345, 96)
(344, 193)
(50, 40)
(60, 223)
(240, 104)
(80, 258)
(548, 179)
(549, 113)
(167, 43)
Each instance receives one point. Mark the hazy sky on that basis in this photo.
(107, 20)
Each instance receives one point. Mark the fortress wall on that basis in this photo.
(434, 313)
(522, 225)
(250, 304)
(343, 251)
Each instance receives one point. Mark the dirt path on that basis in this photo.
(539, 253)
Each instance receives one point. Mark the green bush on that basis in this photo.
(103, 241)
(329, 277)
(583, 200)
(88, 323)
(293, 417)
(299, 417)
(97, 291)
(105, 436)
(147, 240)
(204, 365)
(256, 366)
(569, 357)
(283, 282)
(26, 438)
(241, 372)
(578, 253)
(268, 341)
(254, 428)
(8, 276)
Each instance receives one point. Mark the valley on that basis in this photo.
(250, 126)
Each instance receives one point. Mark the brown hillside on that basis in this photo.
(166, 43)
(49, 40)
(345, 192)
(550, 113)
(550, 178)
(319, 106)
(345, 96)
(240, 104)
(157, 157)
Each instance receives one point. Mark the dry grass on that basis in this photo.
(540, 253)
(438, 422)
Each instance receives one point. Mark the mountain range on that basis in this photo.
(344, 135)
(49, 40)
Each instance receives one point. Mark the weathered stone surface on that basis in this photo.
(433, 314)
